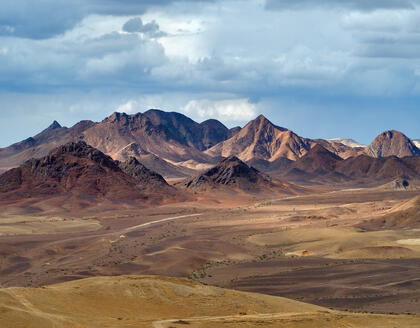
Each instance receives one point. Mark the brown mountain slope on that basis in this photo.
(79, 171)
(170, 136)
(41, 144)
(318, 161)
(317, 164)
(340, 149)
(141, 173)
(380, 169)
(153, 162)
(323, 166)
(234, 175)
(260, 139)
(392, 143)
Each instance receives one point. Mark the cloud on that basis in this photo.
(230, 110)
(49, 18)
(363, 5)
(135, 25)
(130, 107)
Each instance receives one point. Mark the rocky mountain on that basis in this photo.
(175, 146)
(340, 149)
(153, 162)
(322, 166)
(141, 173)
(392, 143)
(233, 175)
(79, 171)
(231, 172)
(347, 142)
(318, 161)
(417, 143)
(164, 137)
(170, 136)
(261, 139)
(41, 144)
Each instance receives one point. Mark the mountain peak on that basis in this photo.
(392, 143)
(230, 171)
(54, 125)
(262, 123)
(141, 173)
(116, 117)
(262, 120)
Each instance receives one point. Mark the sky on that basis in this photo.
(324, 69)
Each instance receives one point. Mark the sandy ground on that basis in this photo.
(144, 301)
(308, 248)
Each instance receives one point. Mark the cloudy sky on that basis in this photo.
(323, 68)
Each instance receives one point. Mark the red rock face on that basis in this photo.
(392, 143)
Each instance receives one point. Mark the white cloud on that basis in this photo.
(230, 110)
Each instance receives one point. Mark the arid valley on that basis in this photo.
(328, 238)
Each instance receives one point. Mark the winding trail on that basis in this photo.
(159, 221)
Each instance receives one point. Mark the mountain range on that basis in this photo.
(80, 175)
(175, 146)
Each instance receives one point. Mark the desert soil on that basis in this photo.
(309, 248)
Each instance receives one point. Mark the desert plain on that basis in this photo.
(342, 251)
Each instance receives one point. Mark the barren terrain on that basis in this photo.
(144, 301)
(328, 249)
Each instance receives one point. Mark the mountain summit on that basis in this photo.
(78, 173)
(261, 139)
(392, 143)
(231, 171)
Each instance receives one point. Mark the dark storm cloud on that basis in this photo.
(48, 18)
(150, 29)
(364, 5)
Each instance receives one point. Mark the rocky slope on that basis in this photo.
(347, 142)
(169, 137)
(77, 170)
(322, 166)
(141, 173)
(318, 161)
(340, 149)
(260, 139)
(230, 172)
(392, 143)
(41, 144)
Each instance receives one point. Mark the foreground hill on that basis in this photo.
(392, 143)
(261, 139)
(79, 171)
(145, 301)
